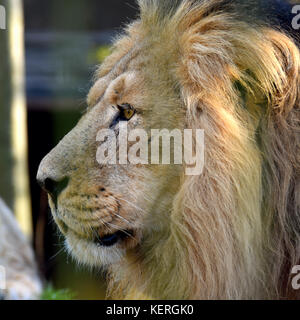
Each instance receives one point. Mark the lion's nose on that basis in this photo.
(54, 188)
(53, 175)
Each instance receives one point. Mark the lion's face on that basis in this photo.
(106, 210)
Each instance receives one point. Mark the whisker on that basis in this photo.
(117, 215)
(124, 231)
(133, 205)
(110, 226)
(57, 253)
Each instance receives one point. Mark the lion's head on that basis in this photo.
(227, 233)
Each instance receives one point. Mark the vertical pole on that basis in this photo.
(14, 187)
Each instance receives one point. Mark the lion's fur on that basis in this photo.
(235, 230)
(232, 232)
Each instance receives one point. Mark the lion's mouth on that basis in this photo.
(111, 239)
(124, 236)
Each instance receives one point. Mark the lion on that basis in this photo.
(232, 232)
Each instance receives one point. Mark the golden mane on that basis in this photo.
(234, 230)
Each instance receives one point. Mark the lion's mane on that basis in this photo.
(235, 229)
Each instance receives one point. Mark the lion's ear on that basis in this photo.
(218, 55)
(269, 79)
(285, 58)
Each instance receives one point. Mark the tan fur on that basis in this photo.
(232, 232)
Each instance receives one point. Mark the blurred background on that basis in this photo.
(48, 54)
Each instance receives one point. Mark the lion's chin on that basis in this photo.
(92, 254)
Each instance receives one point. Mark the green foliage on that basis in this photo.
(102, 53)
(99, 54)
(50, 293)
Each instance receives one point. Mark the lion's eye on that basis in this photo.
(126, 111)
